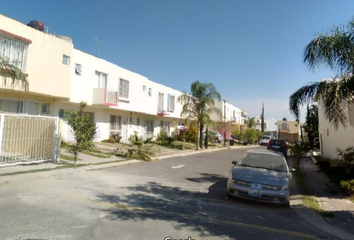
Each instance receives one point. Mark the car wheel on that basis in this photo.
(229, 196)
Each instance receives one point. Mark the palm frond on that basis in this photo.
(335, 49)
(16, 76)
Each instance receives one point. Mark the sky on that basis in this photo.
(251, 50)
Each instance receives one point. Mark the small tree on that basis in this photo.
(82, 128)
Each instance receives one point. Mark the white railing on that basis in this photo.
(111, 96)
(26, 139)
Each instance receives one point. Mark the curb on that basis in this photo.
(314, 218)
(198, 152)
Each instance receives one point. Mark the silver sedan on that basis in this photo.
(260, 175)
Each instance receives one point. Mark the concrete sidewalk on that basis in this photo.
(329, 197)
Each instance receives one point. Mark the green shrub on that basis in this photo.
(348, 187)
(251, 135)
(299, 150)
(346, 160)
(162, 135)
(192, 134)
(182, 136)
(240, 135)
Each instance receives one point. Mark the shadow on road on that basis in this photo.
(192, 209)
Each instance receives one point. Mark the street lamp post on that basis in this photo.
(224, 122)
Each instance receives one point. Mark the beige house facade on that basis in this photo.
(289, 131)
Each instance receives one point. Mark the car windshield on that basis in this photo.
(265, 138)
(277, 142)
(266, 161)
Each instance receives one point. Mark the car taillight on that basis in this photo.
(284, 144)
(269, 142)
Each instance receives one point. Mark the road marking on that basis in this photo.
(179, 166)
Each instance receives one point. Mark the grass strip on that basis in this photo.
(99, 155)
(67, 157)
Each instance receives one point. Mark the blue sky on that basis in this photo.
(251, 50)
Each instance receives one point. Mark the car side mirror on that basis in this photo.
(234, 162)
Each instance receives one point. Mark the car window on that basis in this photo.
(265, 138)
(277, 142)
(266, 161)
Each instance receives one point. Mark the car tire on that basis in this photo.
(229, 196)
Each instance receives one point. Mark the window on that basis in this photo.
(171, 103)
(285, 127)
(45, 109)
(32, 108)
(115, 124)
(160, 102)
(15, 52)
(131, 120)
(123, 88)
(101, 79)
(150, 92)
(138, 121)
(166, 126)
(78, 69)
(144, 88)
(11, 106)
(66, 60)
(61, 113)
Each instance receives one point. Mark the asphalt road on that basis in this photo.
(177, 197)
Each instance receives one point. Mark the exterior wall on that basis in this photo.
(46, 73)
(331, 138)
(234, 118)
(271, 126)
(139, 101)
(27, 96)
(102, 122)
(292, 133)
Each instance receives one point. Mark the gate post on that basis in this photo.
(2, 121)
(56, 140)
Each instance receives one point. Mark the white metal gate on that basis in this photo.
(26, 138)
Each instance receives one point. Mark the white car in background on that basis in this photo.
(265, 140)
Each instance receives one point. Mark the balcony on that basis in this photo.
(104, 97)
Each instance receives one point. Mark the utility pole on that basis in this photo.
(97, 40)
(224, 122)
(262, 119)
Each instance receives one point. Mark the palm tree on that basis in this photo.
(251, 122)
(336, 49)
(199, 105)
(10, 72)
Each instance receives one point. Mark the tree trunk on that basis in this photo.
(197, 143)
(206, 141)
(201, 135)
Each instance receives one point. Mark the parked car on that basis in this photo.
(278, 145)
(265, 140)
(260, 175)
(215, 136)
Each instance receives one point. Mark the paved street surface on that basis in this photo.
(177, 197)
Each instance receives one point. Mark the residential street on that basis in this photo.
(178, 197)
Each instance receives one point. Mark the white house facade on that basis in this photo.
(331, 138)
(119, 101)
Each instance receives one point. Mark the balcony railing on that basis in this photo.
(106, 97)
